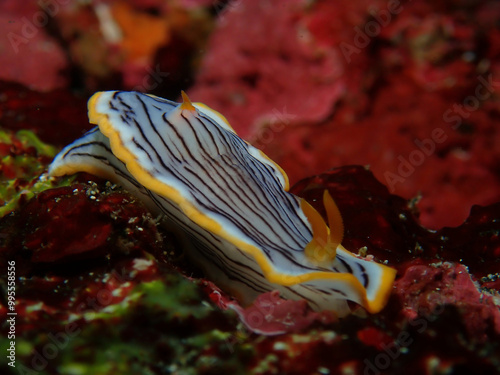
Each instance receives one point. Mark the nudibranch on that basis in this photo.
(246, 231)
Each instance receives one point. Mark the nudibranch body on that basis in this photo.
(246, 231)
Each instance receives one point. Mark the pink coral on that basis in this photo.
(269, 314)
(366, 82)
(426, 290)
(29, 55)
(257, 72)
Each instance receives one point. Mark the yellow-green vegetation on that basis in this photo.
(164, 329)
(24, 158)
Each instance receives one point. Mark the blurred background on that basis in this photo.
(409, 88)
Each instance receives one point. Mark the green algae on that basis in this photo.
(163, 328)
(185, 299)
(29, 139)
(24, 158)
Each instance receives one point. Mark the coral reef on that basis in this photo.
(23, 159)
(100, 274)
(56, 117)
(30, 55)
(138, 45)
(409, 88)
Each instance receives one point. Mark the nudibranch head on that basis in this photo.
(231, 201)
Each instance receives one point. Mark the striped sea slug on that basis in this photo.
(230, 200)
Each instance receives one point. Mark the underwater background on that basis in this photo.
(393, 106)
